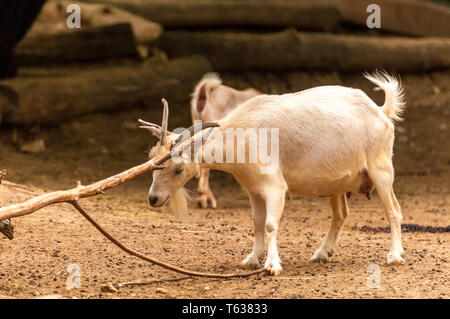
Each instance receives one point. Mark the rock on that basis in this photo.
(108, 287)
(7, 228)
(52, 19)
(161, 290)
(36, 146)
(142, 52)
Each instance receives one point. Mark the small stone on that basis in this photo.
(436, 90)
(108, 287)
(143, 52)
(161, 290)
(36, 146)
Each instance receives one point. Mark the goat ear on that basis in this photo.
(201, 98)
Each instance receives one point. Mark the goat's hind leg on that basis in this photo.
(339, 210)
(205, 196)
(382, 176)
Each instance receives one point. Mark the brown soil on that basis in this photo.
(93, 147)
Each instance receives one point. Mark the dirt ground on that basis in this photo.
(92, 147)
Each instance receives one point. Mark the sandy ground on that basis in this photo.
(36, 262)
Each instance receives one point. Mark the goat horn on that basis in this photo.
(145, 124)
(165, 121)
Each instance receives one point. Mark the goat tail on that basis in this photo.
(394, 104)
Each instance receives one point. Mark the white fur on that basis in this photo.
(328, 135)
(178, 204)
(221, 100)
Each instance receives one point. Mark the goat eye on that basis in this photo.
(178, 171)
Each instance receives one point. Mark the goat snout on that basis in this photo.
(152, 200)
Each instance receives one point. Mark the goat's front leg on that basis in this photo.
(205, 196)
(259, 221)
(274, 210)
(339, 210)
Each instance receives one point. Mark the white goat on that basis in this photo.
(211, 101)
(332, 140)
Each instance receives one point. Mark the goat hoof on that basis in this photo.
(202, 201)
(273, 267)
(205, 201)
(201, 204)
(321, 256)
(275, 272)
(394, 258)
(212, 202)
(251, 262)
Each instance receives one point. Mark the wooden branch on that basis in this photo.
(99, 187)
(73, 195)
(151, 282)
(76, 193)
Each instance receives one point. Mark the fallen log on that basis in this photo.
(60, 96)
(418, 18)
(86, 44)
(52, 19)
(291, 50)
(205, 13)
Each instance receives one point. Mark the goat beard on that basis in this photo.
(178, 204)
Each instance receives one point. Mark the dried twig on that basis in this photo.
(153, 260)
(151, 282)
(78, 192)
(72, 196)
